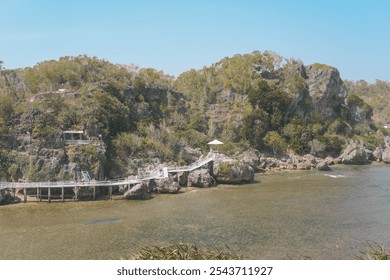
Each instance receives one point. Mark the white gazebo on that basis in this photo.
(214, 145)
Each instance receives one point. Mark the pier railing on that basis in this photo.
(142, 176)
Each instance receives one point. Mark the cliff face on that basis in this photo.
(226, 114)
(326, 89)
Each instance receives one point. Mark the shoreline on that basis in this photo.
(120, 197)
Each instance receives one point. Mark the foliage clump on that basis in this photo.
(185, 251)
(373, 251)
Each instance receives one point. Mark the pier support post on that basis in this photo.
(25, 195)
(110, 191)
(94, 193)
(39, 198)
(49, 193)
(76, 193)
(62, 194)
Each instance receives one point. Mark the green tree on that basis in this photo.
(276, 142)
(255, 126)
(298, 135)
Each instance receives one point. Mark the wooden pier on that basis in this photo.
(46, 190)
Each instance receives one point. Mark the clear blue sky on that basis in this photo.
(175, 36)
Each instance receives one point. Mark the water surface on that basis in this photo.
(295, 214)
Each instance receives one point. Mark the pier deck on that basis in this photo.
(49, 186)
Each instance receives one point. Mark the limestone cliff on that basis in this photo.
(326, 89)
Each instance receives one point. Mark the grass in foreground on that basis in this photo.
(373, 251)
(185, 251)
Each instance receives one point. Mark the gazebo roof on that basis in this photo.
(73, 131)
(215, 142)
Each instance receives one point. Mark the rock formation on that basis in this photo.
(200, 178)
(251, 157)
(386, 155)
(326, 89)
(138, 191)
(167, 185)
(229, 171)
(355, 153)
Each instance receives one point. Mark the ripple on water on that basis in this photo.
(103, 221)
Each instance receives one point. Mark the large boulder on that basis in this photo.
(355, 153)
(167, 185)
(323, 166)
(251, 157)
(138, 191)
(229, 171)
(386, 155)
(377, 154)
(200, 178)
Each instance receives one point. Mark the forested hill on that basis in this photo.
(139, 116)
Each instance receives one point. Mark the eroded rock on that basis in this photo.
(200, 178)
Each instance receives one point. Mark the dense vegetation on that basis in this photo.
(376, 95)
(258, 100)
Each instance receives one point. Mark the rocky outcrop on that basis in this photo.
(386, 139)
(326, 89)
(189, 154)
(229, 171)
(167, 185)
(323, 166)
(355, 153)
(386, 155)
(252, 158)
(377, 154)
(305, 162)
(200, 178)
(267, 163)
(330, 160)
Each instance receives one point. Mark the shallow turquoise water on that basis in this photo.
(284, 215)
